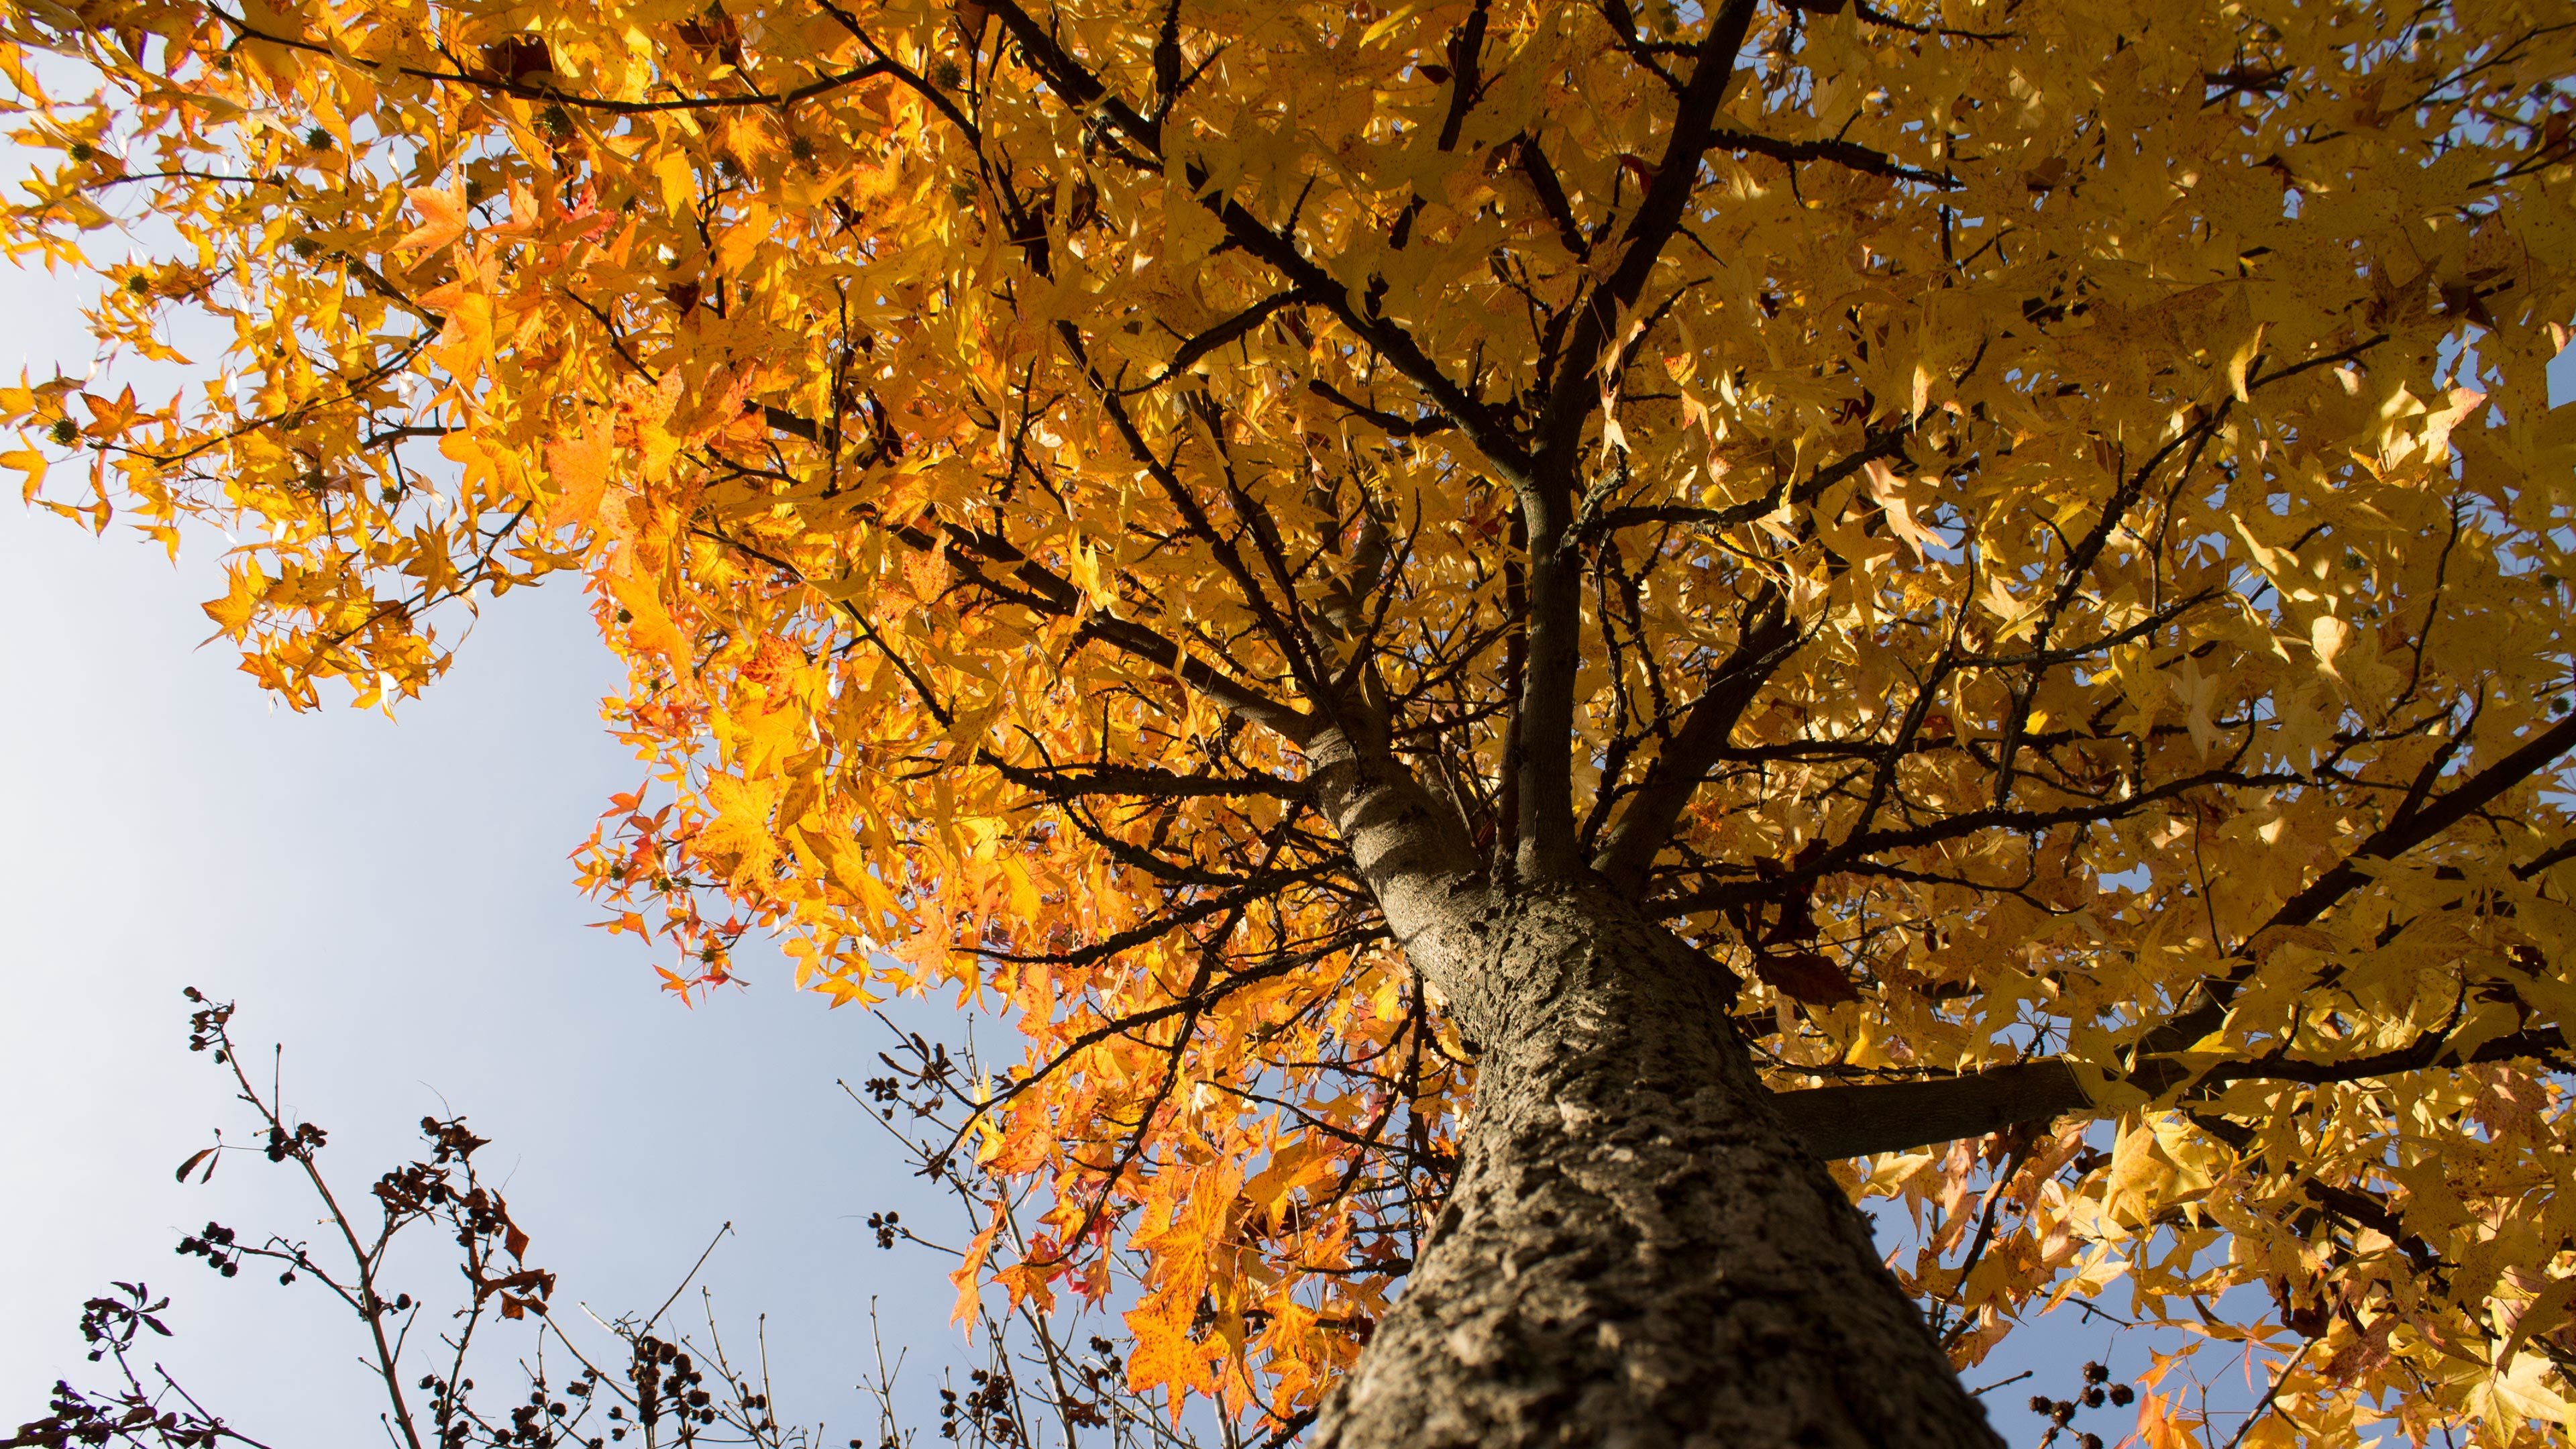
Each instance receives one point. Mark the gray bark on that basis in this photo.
(1901, 1116)
(1637, 1250)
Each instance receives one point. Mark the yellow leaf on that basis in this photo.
(2239, 361)
(2544, 1313)
(29, 462)
(679, 181)
(442, 217)
(2519, 1394)
(244, 588)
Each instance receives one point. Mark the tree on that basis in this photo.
(1502, 628)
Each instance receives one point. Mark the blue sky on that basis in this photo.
(392, 900)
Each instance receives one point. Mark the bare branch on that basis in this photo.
(1900, 1116)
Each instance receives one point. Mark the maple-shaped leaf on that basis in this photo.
(1179, 577)
(1805, 976)
(580, 468)
(442, 217)
(242, 595)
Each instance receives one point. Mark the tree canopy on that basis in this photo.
(2032, 535)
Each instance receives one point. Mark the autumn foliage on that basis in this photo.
(2043, 525)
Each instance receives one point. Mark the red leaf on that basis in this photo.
(1805, 976)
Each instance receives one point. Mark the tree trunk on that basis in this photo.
(1636, 1252)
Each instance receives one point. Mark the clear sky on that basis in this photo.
(393, 901)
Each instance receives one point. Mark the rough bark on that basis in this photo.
(1901, 1116)
(1637, 1251)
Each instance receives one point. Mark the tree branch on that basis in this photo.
(2409, 829)
(1766, 636)
(1900, 1116)
(1046, 592)
(1545, 727)
(1409, 850)
(1843, 153)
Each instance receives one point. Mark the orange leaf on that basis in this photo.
(968, 1276)
(442, 217)
(580, 468)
